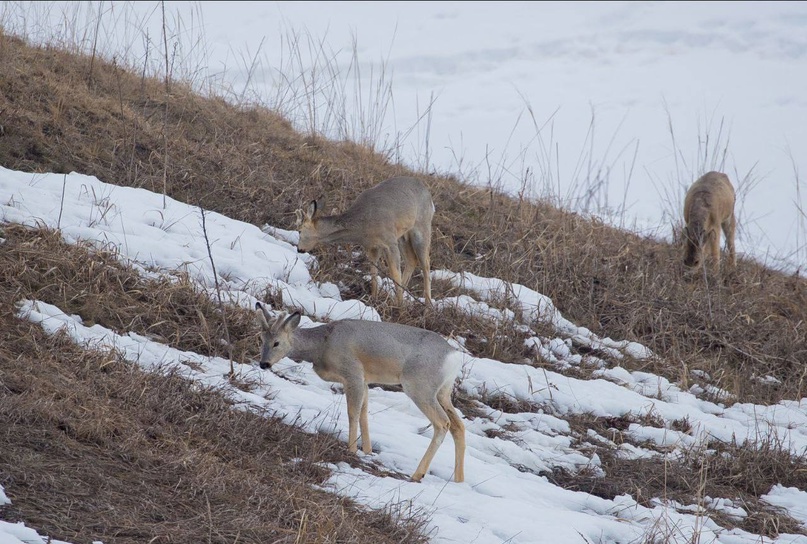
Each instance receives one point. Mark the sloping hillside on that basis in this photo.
(739, 339)
(64, 113)
(529, 429)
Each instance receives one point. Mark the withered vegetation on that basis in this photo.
(95, 449)
(98, 448)
(738, 472)
(62, 114)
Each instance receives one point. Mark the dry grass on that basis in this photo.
(740, 472)
(92, 284)
(248, 163)
(95, 449)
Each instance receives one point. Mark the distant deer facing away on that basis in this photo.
(356, 353)
(708, 207)
(393, 217)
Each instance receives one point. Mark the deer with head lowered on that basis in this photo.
(356, 353)
(708, 208)
(392, 220)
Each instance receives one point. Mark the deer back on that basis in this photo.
(378, 217)
(709, 200)
(383, 353)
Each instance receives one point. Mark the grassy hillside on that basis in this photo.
(93, 447)
(63, 112)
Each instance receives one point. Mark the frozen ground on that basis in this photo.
(503, 499)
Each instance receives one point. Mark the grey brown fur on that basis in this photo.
(356, 353)
(708, 208)
(392, 220)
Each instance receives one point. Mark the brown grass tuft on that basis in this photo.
(740, 472)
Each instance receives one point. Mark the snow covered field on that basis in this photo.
(503, 498)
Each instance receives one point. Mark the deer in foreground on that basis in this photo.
(388, 220)
(356, 353)
(708, 207)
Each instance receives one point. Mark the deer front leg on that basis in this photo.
(714, 249)
(729, 228)
(366, 445)
(373, 254)
(354, 394)
(421, 244)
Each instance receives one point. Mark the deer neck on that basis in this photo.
(308, 343)
(335, 229)
(699, 218)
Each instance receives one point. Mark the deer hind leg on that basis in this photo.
(457, 429)
(394, 267)
(421, 244)
(408, 257)
(729, 227)
(366, 445)
(356, 396)
(440, 423)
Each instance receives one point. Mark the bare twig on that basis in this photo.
(218, 293)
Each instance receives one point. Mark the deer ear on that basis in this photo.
(263, 316)
(312, 210)
(293, 321)
(299, 217)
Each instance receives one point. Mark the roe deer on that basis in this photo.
(392, 218)
(356, 353)
(708, 207)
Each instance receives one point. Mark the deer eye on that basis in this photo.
(275, 344)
